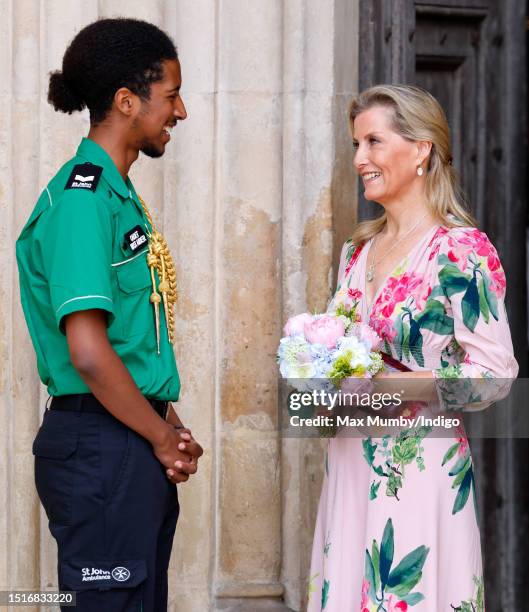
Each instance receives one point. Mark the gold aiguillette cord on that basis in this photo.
(159, 259)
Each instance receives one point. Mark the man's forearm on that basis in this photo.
(111, 382)
(107, 377)
(172, 417)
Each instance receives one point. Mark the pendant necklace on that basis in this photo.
(370, 274)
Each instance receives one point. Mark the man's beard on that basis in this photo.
(149, 149)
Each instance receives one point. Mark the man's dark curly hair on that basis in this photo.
(104, 56)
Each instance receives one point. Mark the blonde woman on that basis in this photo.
(397, 527)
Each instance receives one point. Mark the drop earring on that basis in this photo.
(420, 170)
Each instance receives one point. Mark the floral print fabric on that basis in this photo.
(397, 527)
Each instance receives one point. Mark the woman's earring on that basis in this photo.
(420, 170)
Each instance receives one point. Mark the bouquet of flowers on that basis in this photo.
(327, 348)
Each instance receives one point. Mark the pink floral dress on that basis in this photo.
(397, 527)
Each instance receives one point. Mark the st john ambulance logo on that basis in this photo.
(121, 574)
(84, 176)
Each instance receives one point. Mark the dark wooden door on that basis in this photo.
(471, 55)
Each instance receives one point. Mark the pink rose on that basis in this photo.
(367, 335)
(295, 325)
(325, 330)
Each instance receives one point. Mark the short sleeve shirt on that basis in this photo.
(85, 246)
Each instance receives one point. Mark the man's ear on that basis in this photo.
(126, 102)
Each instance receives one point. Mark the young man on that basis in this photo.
(98, 285)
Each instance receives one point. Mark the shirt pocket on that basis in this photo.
(135, 287)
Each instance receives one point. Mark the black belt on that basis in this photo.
(86, 402)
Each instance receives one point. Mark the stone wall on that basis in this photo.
(255, 195)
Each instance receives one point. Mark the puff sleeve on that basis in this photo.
(472, 279)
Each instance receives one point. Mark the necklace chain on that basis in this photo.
(370, 274)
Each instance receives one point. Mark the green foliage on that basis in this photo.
(463, 475)
(405, 450)
(393, 484)
(342, 369)
(453, 280)
(402, 579)
(491, 298)
(483, 304)
(369, 571)
(375, 556)
(407, 572)
(325, 594)
(450, 453)
(369, 450)
(476, 603)
(464, 491)
(373, 491)
(434, 318)
(387, 549)
(470, 305)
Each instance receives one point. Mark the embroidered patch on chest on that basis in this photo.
(84, 176)
(135, 238)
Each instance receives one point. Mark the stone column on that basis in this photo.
(319, 200)
(189, 220)
(249, 193)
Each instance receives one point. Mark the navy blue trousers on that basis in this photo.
(111, 509)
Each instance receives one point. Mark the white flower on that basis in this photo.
(376, 365)
(295, 360)
(356, 351)
(297, 370)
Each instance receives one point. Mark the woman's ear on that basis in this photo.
(424, 148)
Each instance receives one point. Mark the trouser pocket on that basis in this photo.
(55, 460)
(102, 585)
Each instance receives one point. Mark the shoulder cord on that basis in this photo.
(159, 259)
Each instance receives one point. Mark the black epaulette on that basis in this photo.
(84, 176)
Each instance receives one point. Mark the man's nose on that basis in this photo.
(180, 109)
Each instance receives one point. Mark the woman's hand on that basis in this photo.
(412, 386)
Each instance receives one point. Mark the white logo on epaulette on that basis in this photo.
(83, 179)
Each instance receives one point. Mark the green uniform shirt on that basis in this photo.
(83, 247)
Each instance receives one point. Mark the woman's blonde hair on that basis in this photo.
(417, 116)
